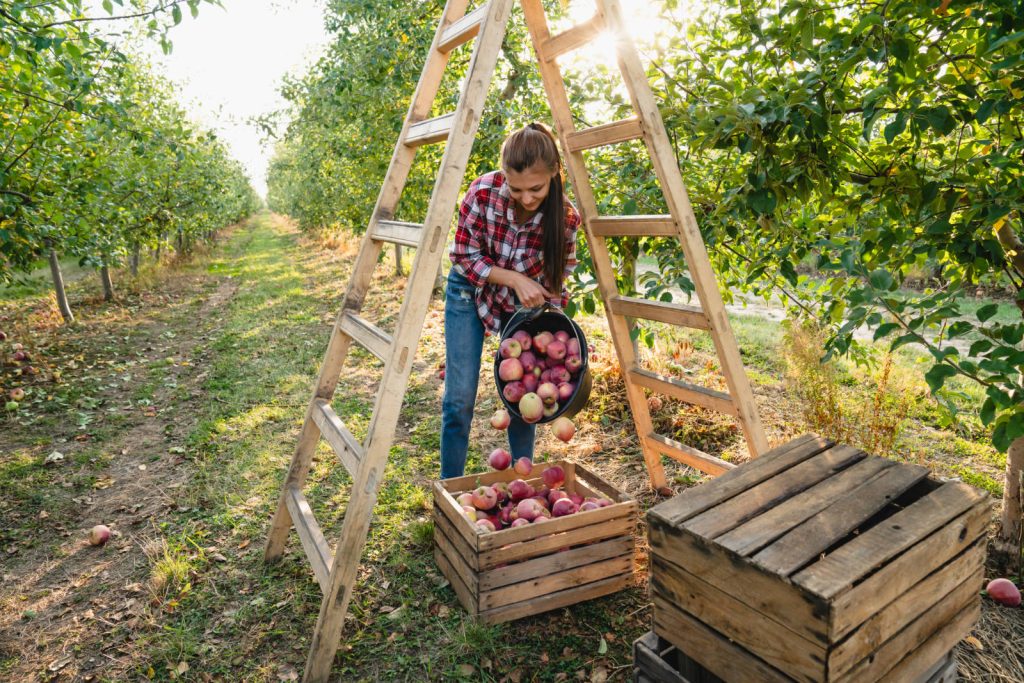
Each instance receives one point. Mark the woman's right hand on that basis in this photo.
(530, 292)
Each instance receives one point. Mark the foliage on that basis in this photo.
(95, 158)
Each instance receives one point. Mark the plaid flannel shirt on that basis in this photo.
(488, 235)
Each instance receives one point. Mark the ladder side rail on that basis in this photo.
(359, 281)
(391, 392)
(674, 190)
(536, 22)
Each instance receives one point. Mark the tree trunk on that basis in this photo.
(58, 287)
(1010, 532)
(108, 285)
(398, 261)
(135, 260)
(181, 240)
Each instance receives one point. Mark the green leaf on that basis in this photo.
(881, 279)
(908, 338)
(987, 311)
(984, 111)
(988, 411)
(176, 14)
(788, 272)
(108, 6)
(938, 375)
(885, 329)
(762, 201)
(895, 127)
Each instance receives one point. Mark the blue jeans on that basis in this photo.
(464, 342)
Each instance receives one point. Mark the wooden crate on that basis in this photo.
(656, 660)
(819, 563)
(513, 573)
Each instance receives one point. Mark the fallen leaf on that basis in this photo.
(218, 557)
(58, 664)
(599, 675)
(181, 668)
(466, 670)
(287, 672)
(53, 458)
(244, 544)
(603, 647)
(974, 642)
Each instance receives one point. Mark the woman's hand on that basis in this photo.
(529, 292)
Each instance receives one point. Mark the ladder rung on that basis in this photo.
(312, 538)
(688, 455)
(683, 315)
(634, 226)
(463, 30)
(431, 130)
(349, 450)
(397, 232)
(573, 38)
(608, 134)
(371, 337)
(685, 391)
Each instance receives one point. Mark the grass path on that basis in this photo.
(175, 426)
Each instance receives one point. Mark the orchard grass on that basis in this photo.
(207, 385)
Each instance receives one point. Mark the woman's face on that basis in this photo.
(529, 187)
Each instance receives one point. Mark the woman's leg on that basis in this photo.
(520, 438)
(463, 340)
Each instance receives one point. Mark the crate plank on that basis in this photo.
(957, 610)
(661, 662)
(557, 581)
(696, 500)
(453, 545)
(548, 544)
(599, 484)
(793, 607)
(943, 671)
(732, 618)
(882, 542)
(545, 603)
(542, 566)
(556, 525)
(808, 540)
(446, 503)
(967, 567)
(710, 648)
(765, 495)
(455, 579)
(853, 607)
(752, 536)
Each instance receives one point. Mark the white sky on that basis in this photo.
(229, 63)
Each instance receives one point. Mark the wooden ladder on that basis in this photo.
(366, 460)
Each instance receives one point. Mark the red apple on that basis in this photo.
(501, 488)
(510, 370)
(563, 429)
(1004, 592)
(485, 525)
(500, 420)
(514, 392)
(563, 507)
(554, 476)
(562, 336)
(519, 521)
(484, 497)
(524, 339)
(528, 361)
(499, 458)
(560, 375)
(20, 356)
(530, 382)
(565, 391)
(17, 394)
(523, 466)
(573, 363)
(587, 506)
(510, 348)
(531, 407)
(99, 535)
(3, 336)
(548, 393)
(556, 494)
(556, 350)
(528, 509)
(572, 347)
(519, 490)
(541, 341)
(465, 498)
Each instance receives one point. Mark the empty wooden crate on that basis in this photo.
(503, 575)
(818, 562)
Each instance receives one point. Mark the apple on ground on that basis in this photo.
(1004, 592)
(99, 534)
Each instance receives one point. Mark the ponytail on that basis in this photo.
(535, 144)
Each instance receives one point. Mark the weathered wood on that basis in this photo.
(345, 445)
(606, 134)
(752, 536)
(430, 131)
(684, 391)
(557, 581)
(694, 457)
(709, 648)
(546, 603)
(696, 500)
(453, 543)
(454, 576)
(370, 337)
(634, 226)
(683, 315)
(463, 30)
(312, 538)
(550, 564)
(549, 544)
(869, 636)
(571, 39)
(808, 540)
(862, 554)
(762, 636)
(398, 232)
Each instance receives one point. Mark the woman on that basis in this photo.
(515, 245)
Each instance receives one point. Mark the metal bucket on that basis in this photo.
(551, 318)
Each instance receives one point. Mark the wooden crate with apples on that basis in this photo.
(517, 572)
(819, 562)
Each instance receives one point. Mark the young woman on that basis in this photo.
(515, 245)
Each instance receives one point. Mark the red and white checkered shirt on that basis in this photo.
(489, 235)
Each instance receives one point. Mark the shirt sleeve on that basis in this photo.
(467, 254)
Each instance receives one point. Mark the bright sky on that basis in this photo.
(229, 63)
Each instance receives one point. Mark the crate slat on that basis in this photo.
(752, 536)
(549, 544)
(724, 487)
(809, 539)
(523, 571)
(458, 584)
(556, 581)
(454, 545)
(764, 496)
(545, 603)
(862, 554)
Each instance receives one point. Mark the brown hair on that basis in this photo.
(535, 144)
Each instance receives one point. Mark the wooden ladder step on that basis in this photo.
(571, 39)
(634, 226)
(429, 131)
(313, 542)
(683, 315)
(685, 454)
(369, 336)
(348, 448)
(684, 391)
(463, 30)
(397, 232)
(608, 134)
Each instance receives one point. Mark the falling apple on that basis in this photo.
(499, 458)
(563, 429)
(500, 420)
